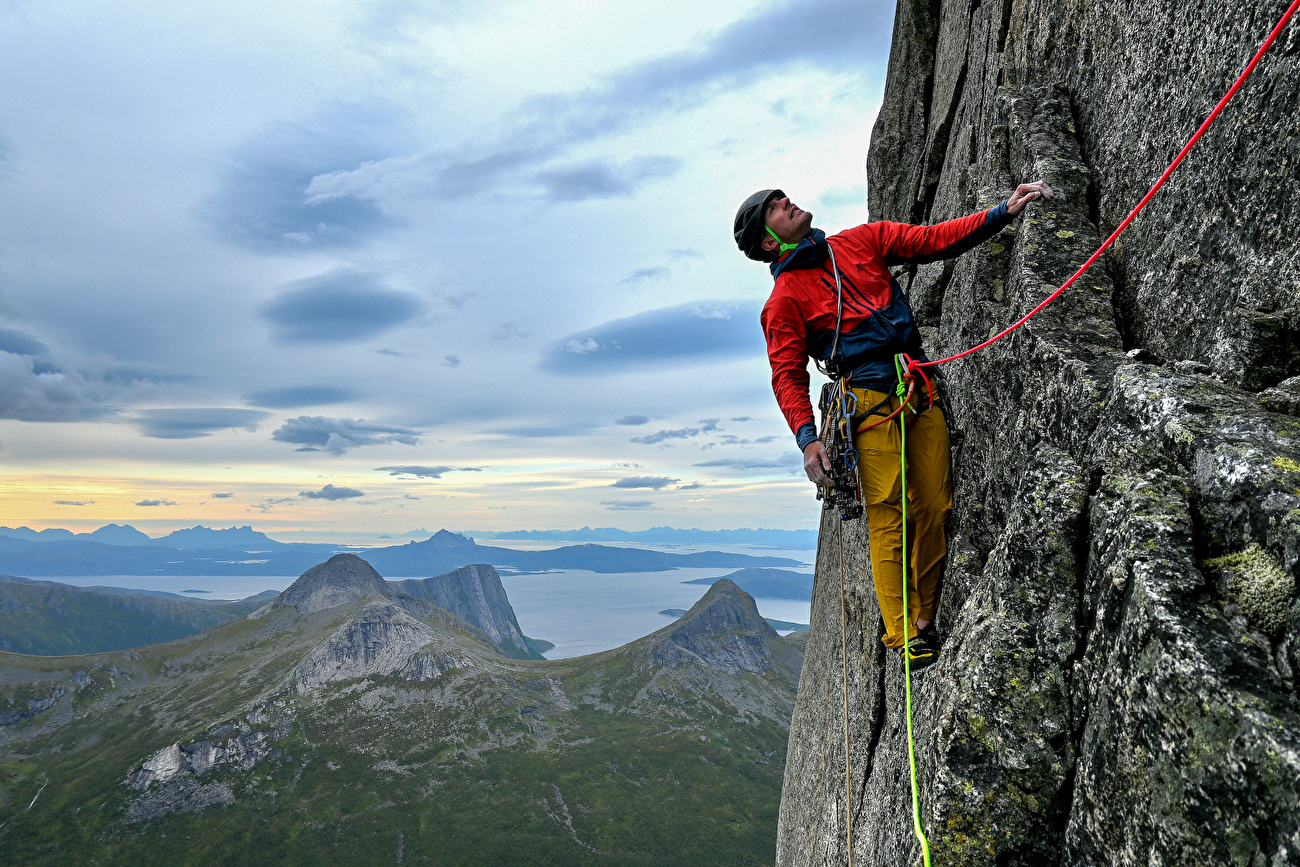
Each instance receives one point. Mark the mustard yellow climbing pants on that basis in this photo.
(929, 500)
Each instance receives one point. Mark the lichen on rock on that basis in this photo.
(1254, 581)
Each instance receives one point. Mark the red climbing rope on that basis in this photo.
(1140, 205)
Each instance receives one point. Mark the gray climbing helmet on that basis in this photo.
(750, 223)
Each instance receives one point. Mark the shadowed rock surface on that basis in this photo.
(475, 594)
(1118, 683)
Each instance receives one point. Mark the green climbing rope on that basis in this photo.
(907, 662)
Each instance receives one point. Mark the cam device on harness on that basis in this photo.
(839, 406)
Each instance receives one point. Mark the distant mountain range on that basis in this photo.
(793, 540)
(242, 551)
(244, 537)
(351, 721)
(126, 535)
(769, 583)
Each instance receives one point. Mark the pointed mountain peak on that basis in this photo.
(339, 580)
(723, 630)
(448, 539)
(725, 608)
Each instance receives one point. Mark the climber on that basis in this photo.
(800, 320)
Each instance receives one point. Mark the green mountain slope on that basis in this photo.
(345, 725)
(50, 619)
(45, 618)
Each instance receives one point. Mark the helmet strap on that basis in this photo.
(784, 245)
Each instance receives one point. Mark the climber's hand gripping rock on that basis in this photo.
(1026, 193)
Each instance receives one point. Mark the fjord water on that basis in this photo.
(578, 611)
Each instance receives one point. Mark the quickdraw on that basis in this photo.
(839, 406)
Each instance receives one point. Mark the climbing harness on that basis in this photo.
(907, 371)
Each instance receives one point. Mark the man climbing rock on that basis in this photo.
(801, 319)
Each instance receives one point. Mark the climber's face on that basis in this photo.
(790, 222)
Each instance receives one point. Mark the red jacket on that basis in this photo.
(799, 317)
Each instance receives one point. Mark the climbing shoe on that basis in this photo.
(923, 650)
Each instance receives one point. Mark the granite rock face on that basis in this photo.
(723, 630)
(1122, 625)
(474, 594)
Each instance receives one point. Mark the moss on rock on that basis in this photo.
(1258, 584)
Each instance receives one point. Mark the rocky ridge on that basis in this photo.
(1119, 680)
(349, 699)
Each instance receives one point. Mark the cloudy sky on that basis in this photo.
(374, 266)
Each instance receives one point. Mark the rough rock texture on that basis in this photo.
(1122, 626)
(474, 594)
(339, 580)
(380, 638)
(723, 630)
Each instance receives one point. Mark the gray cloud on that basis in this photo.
(260, 203)
(339, 306)
(729, 440)
(423, 472)
(632, 420)
(655, 482)
(301, 395)
(658, 272)
(20, 344)
(667, 336)
(157, 503)
(220, 496)
(833, 35)
(76, 503)
(684, 253)
(184, 424)
(329, 492)
(706, 425)
(603, 179)
(787, 461)
(30, 391)
(627, 505)
(508, 329)
(337, 435)
(692, 486)
(450, 361)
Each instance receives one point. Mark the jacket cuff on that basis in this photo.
(807, 433)
(999, 214)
